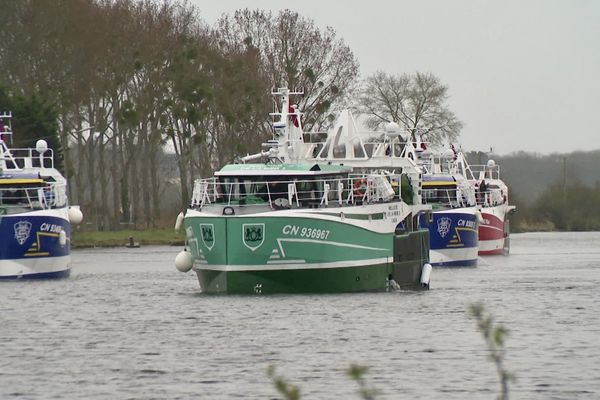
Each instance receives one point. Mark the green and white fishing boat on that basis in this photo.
(284, 225)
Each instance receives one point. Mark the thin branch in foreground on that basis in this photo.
(494, 336)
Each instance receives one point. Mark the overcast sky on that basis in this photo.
(522, 75)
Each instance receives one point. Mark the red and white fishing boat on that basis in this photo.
(492, 198)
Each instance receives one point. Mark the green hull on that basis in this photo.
(306, 254)
(323, 280)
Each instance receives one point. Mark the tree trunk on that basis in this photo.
(154, 178)
(116, 147)
(145, 171)
(103, 214)
(91, 173)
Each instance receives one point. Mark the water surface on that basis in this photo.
(127, 325)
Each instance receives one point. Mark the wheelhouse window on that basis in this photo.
(260, 189)
(443, 195)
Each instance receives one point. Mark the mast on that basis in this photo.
(287, 126)
(287, 144)
(5, 133)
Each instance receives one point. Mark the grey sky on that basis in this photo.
(522, 75)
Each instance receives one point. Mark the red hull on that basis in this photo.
(492, 232)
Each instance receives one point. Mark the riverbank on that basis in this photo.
(166, 237)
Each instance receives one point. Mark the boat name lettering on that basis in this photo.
(45, 227)
(313, 233)
(465, 223)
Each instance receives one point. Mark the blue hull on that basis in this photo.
(35, 245)
(30, 236)
(454, 238)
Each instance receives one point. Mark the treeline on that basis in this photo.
(127, 80)
(551, 192)
(574, 207)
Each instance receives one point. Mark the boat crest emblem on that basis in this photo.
(443, 226)
(207, 232)
(22, 231)
(253, 235)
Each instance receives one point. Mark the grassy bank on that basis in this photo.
(168, 237)
(526, 226)
(121, 238)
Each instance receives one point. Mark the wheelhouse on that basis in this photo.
(21, 192)
(446, 191)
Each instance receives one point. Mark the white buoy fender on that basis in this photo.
(75, 215)
(426, 275)
(41, 146)
(183, 261)
(62, 238)
(179, 221)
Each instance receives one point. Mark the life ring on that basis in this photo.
(360, 187)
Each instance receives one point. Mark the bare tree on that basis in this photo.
(297, 54)
(417, 102)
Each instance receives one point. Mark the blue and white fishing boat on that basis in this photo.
(35, 217)
(453, 227)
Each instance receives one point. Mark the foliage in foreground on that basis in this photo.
(494, 336)
(292, 392)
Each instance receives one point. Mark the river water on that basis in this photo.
(127, 325)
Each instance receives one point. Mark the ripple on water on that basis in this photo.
(127, 325)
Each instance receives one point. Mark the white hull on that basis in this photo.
(454, 257)
(496, 245)
(38, 267)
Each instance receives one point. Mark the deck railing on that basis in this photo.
(21, 158)
(43, 197)
(378, 145)
(298, 193)
(485, 172)
(490, 198)
(453, 198)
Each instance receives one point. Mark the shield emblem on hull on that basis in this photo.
(207, 232)
(22, 230)
(443, 226)
(253, 235)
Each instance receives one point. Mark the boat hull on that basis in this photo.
(453, 237)
(308, 279)
(493, 231)
(32, 247)
(297, 254)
